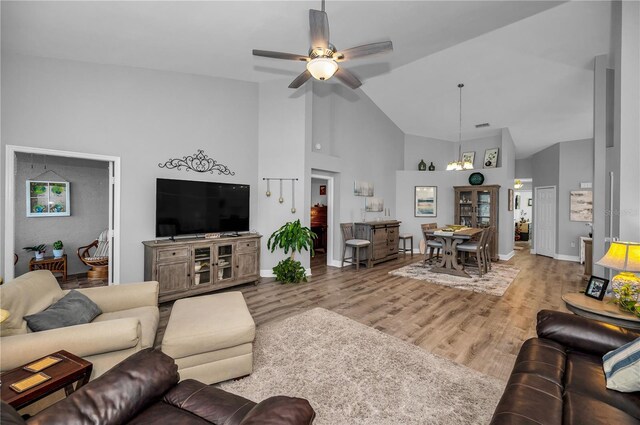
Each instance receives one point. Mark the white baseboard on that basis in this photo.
(506, 257)
(562, 257)
(335, 263)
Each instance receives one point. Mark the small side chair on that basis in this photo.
(349, 241)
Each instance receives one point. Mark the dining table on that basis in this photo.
(448, 261)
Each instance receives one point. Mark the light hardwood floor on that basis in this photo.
(481, 331)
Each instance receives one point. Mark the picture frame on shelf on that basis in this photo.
(469, 157)
(596, 287)
(46, 198)
(491, 158)
(426, 201)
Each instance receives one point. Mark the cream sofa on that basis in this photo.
(128, 322)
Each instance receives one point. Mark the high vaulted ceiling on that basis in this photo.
(526, 64)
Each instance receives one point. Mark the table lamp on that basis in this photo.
(623, 256)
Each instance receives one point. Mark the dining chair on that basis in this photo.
(431, 243)
(349, 241)
(477, 249)
(487, 247)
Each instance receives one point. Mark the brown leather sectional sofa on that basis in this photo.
(558, 377)
(144, 389)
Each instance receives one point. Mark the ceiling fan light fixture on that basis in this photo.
(322, 68)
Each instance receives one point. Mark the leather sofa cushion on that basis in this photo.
(72, 309)
(581, 410)
(542, 357)
(585, 376)
(148, 316)
(27, 294)
(208, 323)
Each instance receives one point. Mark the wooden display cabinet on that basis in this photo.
(477, 206)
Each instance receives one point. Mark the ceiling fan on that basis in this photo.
(323, 58)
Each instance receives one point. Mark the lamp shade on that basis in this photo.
(322, 68)
(623, 256)
(4, 315)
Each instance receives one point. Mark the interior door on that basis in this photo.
(545, 228)
(112, 258)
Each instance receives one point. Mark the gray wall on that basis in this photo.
(367, 146)
(576, 166)
(143, 116)
(316, 198)
(89, 197)
(440, 152)
(524, 169)
(565, 165)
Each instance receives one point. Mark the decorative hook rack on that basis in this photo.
(281, 199)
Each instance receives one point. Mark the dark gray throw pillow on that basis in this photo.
(74, 308)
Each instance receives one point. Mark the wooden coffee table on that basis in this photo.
(603, 311)
(63, 374)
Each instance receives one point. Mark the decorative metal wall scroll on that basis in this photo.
(198, 162)
(281, 199)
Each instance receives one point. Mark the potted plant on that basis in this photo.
(38, 250)
(58, 250)
(294, 237)
(627, 296)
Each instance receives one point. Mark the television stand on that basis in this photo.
(191, 266)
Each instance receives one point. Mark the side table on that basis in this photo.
(603, 311)
(63, 375)
(55, 265)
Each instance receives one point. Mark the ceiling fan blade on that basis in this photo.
(319, 26)
(364, 50)
(348, 78)
(280, 55)
(300, 80)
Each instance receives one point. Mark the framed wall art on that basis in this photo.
(362, 188)
(47, 198)
(426, 201)
(491, 158)
(581, 205)
(374, 204)
(469, 157)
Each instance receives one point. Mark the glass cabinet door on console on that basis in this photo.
(477, 206)
(202, 265)
(224, 262)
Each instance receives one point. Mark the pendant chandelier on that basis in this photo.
(459, 164)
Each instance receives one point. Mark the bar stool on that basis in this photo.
(356, 245)
(403, 237)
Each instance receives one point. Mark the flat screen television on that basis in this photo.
(186, 207)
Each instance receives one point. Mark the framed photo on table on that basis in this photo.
(426, 201)
(596, 287)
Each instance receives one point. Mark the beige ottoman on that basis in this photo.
(211, 337)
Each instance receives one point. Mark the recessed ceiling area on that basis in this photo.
(526, 65)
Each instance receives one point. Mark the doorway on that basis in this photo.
(321, 220)
(545, 216)
(101, 180)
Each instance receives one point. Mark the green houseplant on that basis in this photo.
(39, 250)
(294, 237)
(58, 250)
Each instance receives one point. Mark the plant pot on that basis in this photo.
(58, 253)
(39, 255)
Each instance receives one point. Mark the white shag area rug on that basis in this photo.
(354, 374)
(495, 282)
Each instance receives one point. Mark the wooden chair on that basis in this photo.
(487, 247)
(349, 240)
(477, 249)
(430, 242)
(99, 260)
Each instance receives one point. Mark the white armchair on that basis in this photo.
(128, 322)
